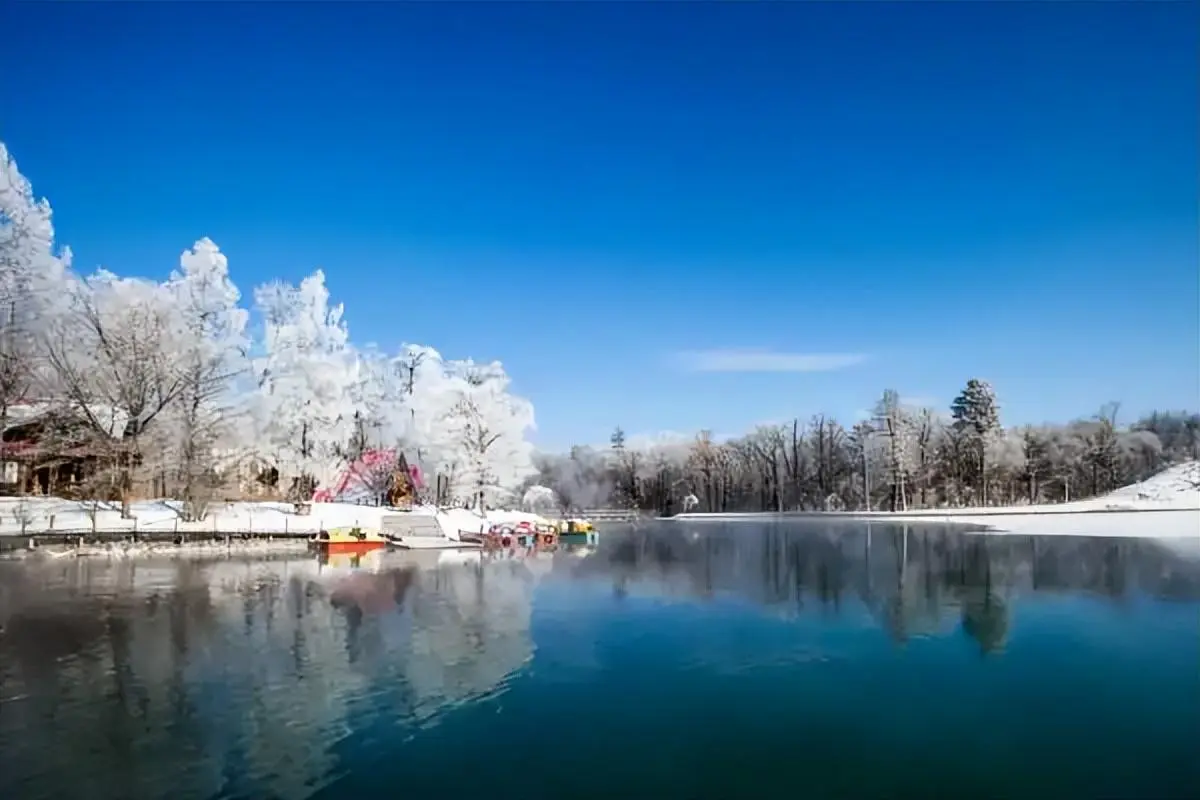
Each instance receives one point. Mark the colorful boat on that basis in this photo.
(348, 540)
(524, 533)
(575, 526)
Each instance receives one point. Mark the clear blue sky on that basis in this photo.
(584, 190)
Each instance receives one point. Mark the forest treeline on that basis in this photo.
(900, 458)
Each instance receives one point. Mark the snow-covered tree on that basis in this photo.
(31, 273)
(580, 479)
(32, 282)
(159, 372)
(540, 500)
(895, 425)
(487, 427)
(211, 355)
(114, 352)
(424, 391)
(304, 409)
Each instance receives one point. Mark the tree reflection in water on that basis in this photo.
(237, 678)
(914, 579)
(230, 677)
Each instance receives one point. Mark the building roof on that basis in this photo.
(111, 420)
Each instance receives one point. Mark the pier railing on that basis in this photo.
(610, 514)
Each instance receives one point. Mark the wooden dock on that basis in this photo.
(10, 542)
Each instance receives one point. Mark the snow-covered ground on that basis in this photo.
(49, 514)
(1165, 506)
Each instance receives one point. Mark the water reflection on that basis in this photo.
(196, 678)
(913, 579)
(224, 678)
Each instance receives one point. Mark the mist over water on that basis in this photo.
(714, 660)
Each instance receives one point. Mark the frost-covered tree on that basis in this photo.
(424, 390)
(863, 448)
(487, 425)
(304, 407)
(31, 273)
(211, 356)
(626, 463)
(927, 430)
(159, 369)
(540, 500)
(580, 479)
(894, 424)
(32, 280)
(114, 353)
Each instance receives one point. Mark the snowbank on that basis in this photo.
(50, 514)
(1165, 506)
(1175, 487)
(503, 517)
(454, 521)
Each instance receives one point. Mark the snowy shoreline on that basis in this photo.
(150, 550)
(1165, 506)
(1138, 523)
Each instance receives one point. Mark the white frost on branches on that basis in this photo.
(486, 424)
(305, 374)
(204, 381)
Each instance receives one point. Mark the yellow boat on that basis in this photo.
(567, 527)
(349, 540)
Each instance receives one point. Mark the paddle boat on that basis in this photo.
(575, 526)
(351, 539)
(525, 533)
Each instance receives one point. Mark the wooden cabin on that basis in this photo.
(50, 451)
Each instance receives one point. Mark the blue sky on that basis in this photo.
(598, 194)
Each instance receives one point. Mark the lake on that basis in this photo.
(678, 660)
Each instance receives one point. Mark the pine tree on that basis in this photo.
(624, 470)
(977, 416)
(1038, 465)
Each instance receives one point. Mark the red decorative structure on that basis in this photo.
(379, 475)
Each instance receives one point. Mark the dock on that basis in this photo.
(10, 542)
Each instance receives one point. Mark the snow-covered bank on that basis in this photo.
(52, 514)
(1165, 506)
(258, 548)
(42, 515)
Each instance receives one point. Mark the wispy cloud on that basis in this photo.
(757, 360)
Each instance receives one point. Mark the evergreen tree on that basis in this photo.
(977, 416)
(1038, 465)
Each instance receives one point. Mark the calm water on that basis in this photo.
(745, 660)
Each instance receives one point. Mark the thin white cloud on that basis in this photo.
(756, 360)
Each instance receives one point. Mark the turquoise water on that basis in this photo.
(702, 661)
